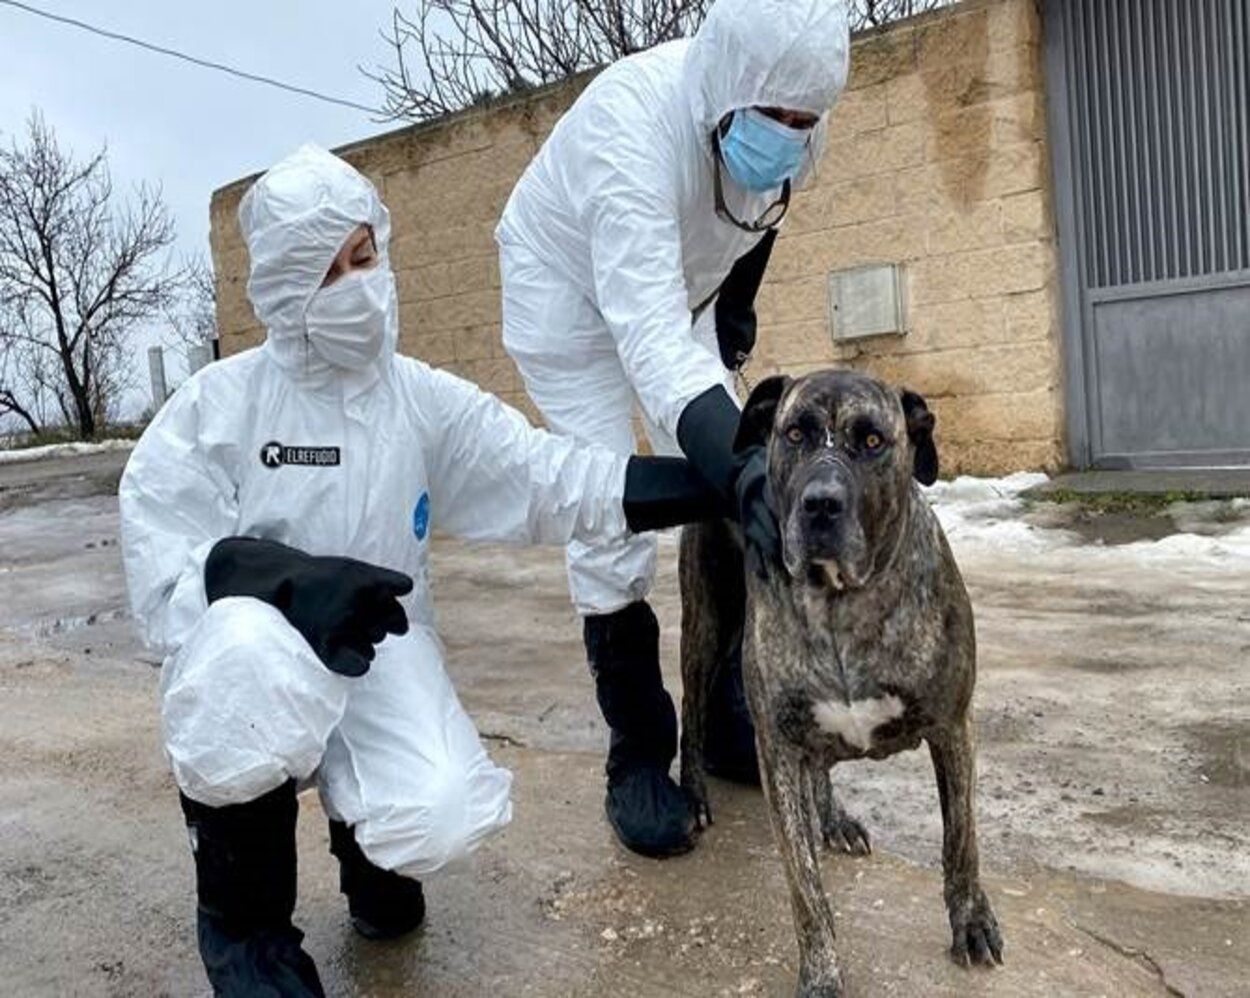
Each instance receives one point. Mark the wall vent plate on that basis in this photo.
(867, 301)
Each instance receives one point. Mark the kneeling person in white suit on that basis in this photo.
(276, 518)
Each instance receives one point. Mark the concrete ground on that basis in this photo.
(1113, 707)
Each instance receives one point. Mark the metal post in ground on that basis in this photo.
(156, 369)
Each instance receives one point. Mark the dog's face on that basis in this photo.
(843, 448)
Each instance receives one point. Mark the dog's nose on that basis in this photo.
(823, 502)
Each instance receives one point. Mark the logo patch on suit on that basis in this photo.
(275, 455)
(421, 516)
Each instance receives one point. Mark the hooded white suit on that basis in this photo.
(275, 443)
(611, 239)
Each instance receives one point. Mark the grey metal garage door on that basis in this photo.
(1150, 131)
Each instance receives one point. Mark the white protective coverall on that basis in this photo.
(611, 239)
(275, 443)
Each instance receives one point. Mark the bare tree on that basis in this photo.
(876, 13)
(23, 394)
(452, 54)
(79, 272)
(193, 316)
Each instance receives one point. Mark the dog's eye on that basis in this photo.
(794, 435)
(873, 444)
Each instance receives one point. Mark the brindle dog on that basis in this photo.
(859, 645)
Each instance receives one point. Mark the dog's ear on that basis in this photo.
(756, 421)
(920, 422)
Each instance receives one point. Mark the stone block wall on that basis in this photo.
(445, 184)
(937, 160)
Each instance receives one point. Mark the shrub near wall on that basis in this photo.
(937, 159)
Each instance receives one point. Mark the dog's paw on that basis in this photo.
(819, 981)
(696, 793)
(975, 936)
(842, 832)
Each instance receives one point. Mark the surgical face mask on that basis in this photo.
(762, 154)
(347, 320)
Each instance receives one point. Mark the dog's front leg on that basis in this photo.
(792, 819)
(975, 933)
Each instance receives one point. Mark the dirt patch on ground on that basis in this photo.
(1114, 520)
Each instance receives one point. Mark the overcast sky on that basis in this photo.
(188, 128)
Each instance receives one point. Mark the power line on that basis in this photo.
(195, 60)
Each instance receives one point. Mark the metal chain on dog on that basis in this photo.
(740, 374)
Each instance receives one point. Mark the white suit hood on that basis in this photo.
(295, 219)
(792, 54)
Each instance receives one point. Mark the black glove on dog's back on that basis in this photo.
(755, 512)
(341, 606)
(706, 432)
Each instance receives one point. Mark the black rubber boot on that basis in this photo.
(730, 747)
(648, 811)
(383, 904)
(245, 884)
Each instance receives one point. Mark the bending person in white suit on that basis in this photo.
(657, 195)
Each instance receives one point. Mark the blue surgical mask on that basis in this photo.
(760, 153)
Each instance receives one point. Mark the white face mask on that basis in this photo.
(347, 321)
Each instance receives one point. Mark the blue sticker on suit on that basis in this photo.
(421, 516)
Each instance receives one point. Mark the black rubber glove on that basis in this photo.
(341, 606)
(755, 510)
(706, 431)
(735, 303)
(665, 492)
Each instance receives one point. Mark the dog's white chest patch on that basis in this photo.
(855, 722)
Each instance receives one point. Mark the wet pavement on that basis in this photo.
(1113, 710)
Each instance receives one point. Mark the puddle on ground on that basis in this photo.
(1144, 818)
(1224, 750)
(1106, 667)
(1114, 527)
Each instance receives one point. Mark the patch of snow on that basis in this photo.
(986, 516)
(1233, 546)
(72, 449)
(972, 490)
(987, 512)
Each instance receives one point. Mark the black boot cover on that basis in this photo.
(648, 811)
(245, 882)
(383, 904)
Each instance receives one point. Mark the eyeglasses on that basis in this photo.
(769, 218)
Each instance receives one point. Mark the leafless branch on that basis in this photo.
(80, 270)
(192, 316)
(875, 13)
(451, 54)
